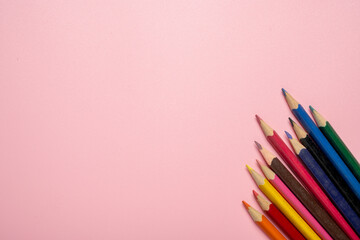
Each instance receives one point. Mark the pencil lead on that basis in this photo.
(293, 104)
(284, 91)
(288, 135)
(255, 193)
(291, 121)
(267, 155)
(311, 108)
(249, 168)
(246, 204)
(259, 163)
(258, 118)
(296, 145)
(299, 132)
(319, 119)
(258, 145)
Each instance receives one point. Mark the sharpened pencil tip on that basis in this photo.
(312, 109)
(258, 162)
(246, 204)
(261, 166)
(293, 104)
(249, 168)
(319, 119)
(291, 121)
(255, 193)
(284, 91)
(258, 118)
(288, 135)
(258, 145)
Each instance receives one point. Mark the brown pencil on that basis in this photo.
(326, 165)
(302, 194)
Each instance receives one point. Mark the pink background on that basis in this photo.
(134, 119)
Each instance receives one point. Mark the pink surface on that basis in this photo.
(297, 205)
(134, 119)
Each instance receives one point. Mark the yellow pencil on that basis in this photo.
(275, 197)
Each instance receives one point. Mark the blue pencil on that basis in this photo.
(323, 143)
(325, 182)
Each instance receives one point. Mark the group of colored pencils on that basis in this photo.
(319, 197)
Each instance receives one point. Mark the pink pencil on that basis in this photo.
(297, 205)
(305, 177)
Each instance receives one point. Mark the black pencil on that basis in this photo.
(302, 194)
(326, 165)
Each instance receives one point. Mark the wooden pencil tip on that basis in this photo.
(259, 179)
(293, 104)
(319, 119)
(255, 193)
(291, 121)
(267, 130)
(246, 204)
(259, 163)
(249, 168)
(288, 135)
(258, 145)
(284, 91)
(311, 108)
(258, 118)
(299, 132)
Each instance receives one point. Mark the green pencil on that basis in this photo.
(330, 133)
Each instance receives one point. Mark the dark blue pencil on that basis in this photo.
(329, 169)
(325, 182)
(323, 143)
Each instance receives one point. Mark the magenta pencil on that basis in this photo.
(297, 205)
(305, 177)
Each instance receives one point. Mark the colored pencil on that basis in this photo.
(294, 202)
(323, 143)
(274, 196)
(324, 181)
(304, 176)
(302, 194)
(277, 217)
(328, 168)
(338, 144)
(269, 229)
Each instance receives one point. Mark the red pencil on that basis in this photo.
(304, 176)
(274, 213)
(269, 229)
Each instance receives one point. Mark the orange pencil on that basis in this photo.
(264, 223)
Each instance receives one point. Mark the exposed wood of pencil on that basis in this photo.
(302, 194)
(326, 184)
(329, 169)
(265, 225)
(283, 205)
(278, 218)
(294, 202)
(338, 144)
(307, 179)
(324, 144)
